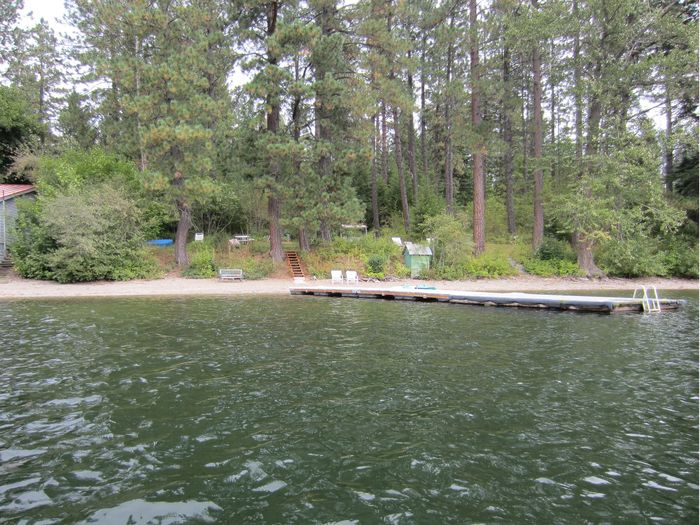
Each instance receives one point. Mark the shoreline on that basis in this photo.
(13, 287)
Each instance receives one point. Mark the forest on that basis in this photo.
(557, 134)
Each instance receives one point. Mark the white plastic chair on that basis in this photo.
(336, 277)
(351, 277)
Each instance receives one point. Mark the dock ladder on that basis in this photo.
(649, 303)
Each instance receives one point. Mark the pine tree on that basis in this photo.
(35, 67)
(167, 71)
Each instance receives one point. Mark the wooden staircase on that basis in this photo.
(5, 264)
(294, 264)
(5, 261)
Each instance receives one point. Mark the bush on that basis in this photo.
(489, 266)
(486, 266)
(84, 236)
(356, 253)
(255, 268)
(681, 260)
(375, 266)
(636, 257)
(254, 263)
(450, 240)
(551, 267)
(201, 263)
(555, 249)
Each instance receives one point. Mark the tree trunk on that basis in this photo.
(273, 212)
(296, 134)
(508, 140)
(399, 167)
(373, 167)
(273, 117)
(583, 246)
(324, 132)
(552, 111)
(183, 228)
(668, 145)
(584, 255)
(423, 126)
(538, 226)
(449, 166)
(479, 224)
(304, 245)
(411, 131)
(584, 250)
(385, 157)
(525, 118)
(143, 162)
(578, 98)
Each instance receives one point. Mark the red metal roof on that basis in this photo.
(13, 190)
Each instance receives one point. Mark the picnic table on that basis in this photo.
(243, 239)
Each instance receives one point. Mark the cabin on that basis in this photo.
(417, 258)
(9, 195)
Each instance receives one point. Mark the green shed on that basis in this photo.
(417, 258)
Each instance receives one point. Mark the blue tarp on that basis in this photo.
(160, 242)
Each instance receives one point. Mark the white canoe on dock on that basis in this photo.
(577, 303)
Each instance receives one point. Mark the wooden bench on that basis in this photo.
(230, 274)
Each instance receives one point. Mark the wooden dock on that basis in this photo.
(575, 303)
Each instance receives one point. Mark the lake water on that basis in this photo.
(316, 410)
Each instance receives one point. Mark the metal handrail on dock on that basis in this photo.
(649, 303)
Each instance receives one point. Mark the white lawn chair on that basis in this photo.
(351, 277)
(337, 277)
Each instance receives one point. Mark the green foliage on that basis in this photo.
(429, 205)
(82, 236)
(554, 258)
(451, 242)
(220, 210)
(375, 263)
(553, 267)
(374, 267)
(17, 126)
(486, 266)
(76, 123)
(354, 254)
(257, 268)
(202, 263)
(681, 259)
(74, 170)
(636, 257)
(555, 249)
(214, 253)
(35, 67)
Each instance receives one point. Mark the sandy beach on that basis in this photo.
(13, 287)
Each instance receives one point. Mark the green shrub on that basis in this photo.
(144, 266)
(551, 267)
(450, 240)
(488, 266)
(85, 235)
(636, 257)
(355, 253)
(375, 264)
(201, 263)
(555, 249)
(681, 260)
(255, 268)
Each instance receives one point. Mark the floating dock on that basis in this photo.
(575, 303)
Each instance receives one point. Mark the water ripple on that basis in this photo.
(281, 410)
